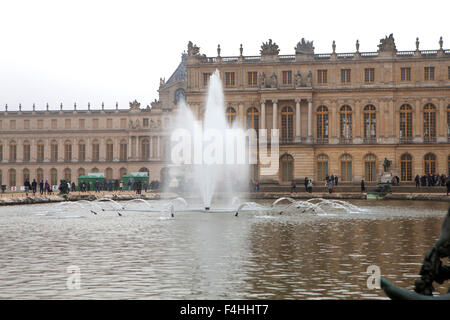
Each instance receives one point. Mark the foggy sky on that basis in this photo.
(106, 51)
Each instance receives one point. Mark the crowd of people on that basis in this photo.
(431, 180)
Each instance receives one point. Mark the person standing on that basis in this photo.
(448, 184)
(27, 187)
(330, 186)
(47, 187)
(41, 187)
(293, 186)
(363, 187)
(336, 180)
(417, 180)
(34, 186)
(306, 184)
(310, 185)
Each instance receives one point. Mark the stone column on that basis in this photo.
(275, 114)
(263, 114)
(298, 133)
(158, 151)
(357, 123)
(418, 123)
(241, 115)
(150, 143)
(441, 123)
(310, 137)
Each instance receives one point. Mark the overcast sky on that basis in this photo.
(64, 51)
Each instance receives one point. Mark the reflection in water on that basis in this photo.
(213, 255)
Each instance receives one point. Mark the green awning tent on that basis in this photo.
(91, 178)
(135, 176)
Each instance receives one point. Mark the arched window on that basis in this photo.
(95, 151)
(370, 167)
(26, 175)
(81, 151)
(287, 168)
(40, 175)
(287, 119)
(346, 167)
(26, 151)
(95, 170)
(429, 122)
(405, 122)
(54, 151)
(322, 124)
(81, 172)
(253, 118)
(322, 167)
(109, 150)
(12, 177)
(68, 175)
(108, 174)
(40, 151)
(231, 115)
(406, 167)
(370, 123)
(53, 177)
(145, 149)
(12, 152)
(430, 163)
(122, 172)
(346, 123)
(123, 150)
(67, 151)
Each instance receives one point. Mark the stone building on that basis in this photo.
(338, 113)
(64, 144)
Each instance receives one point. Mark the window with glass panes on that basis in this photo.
(54, 151)
(405, 74)
(370, 127)
(430, 163)
(53, 177)
(370, 165)
(287, 77)
(369, 74)
(206, 77)
(26, 152)
(346, 122)
(322, 167)
(252, 79)
(406, 167)
(346, 167)
(81, 151)
(322, 122)
(253, 118)
(287, 167)
(429, 121)
(12, 152)
(322, 76)
(287, 119)
(67, 152)
(123, 151)
(109, 150)
(429, 73)
(405, 121)
(40, 152)
(95, 151)
(230, 114)
(229, 79)
(345, 75)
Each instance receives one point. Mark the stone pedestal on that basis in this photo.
(386, 177)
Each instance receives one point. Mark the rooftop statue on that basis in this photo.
(134, 105)
(193, 50)
(269, 48)
(304, 47)
(387, 44)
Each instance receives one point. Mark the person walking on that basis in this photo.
(306, 184)
(448, 184)
(27, 187)
(417, 180)
(363, 187)
(293, 186)
(121, 186)
(47, 187)
(41, 187)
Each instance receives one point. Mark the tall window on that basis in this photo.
(67, 174)
(53, 177)
(322, 123)
(95, 123)
(405, 122)
(346, 167)
(81, 151)
(145, 149)
(405, 74)
(81, 172)
(109, 123)
(448, 121)
(206, 77)
(12, 124)
(231, 115)
(54, 124)
(26, 175)
(81, 123)
(322, 76)
(430, 163)
(287, 119)
(26, 151)
(345, 75)
(26, 124)
(1, 152)
(67, 151)
(287, 77)
(1, 177)
(109, 150)
(40, 151)
(122, 172)
(40, 124)
(370, 123)
(370, 166)
(429, 73)
(123, 150)
(322, 167)
(95, 151)
(12, 152)
(369, 75)
(39, 175)
(406, 167)
(287, 168)
(67, 124)
(252, 79)
(429, 122)
(12, 177)
(346, 122)
(54, 151)
(253, 118)
(229, 79)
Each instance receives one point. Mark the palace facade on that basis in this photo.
(64, 144)
(337, 113)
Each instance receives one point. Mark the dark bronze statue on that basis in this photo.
(432, 271)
